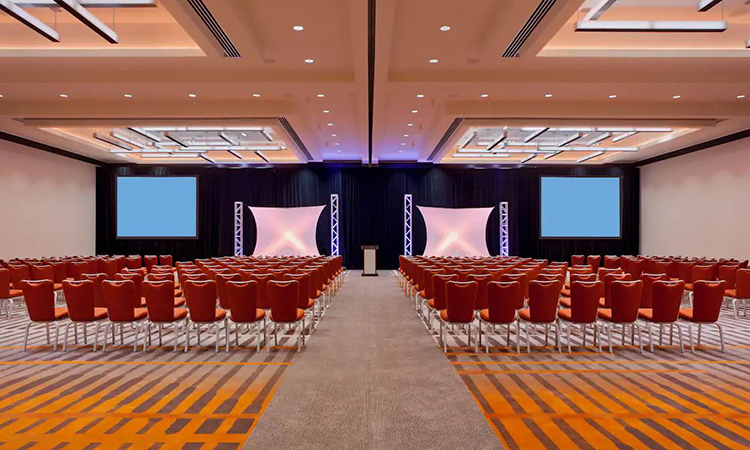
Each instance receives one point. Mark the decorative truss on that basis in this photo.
(238, 229)
(504, 229)
(334, 224)
(407, 224)
(191, 142)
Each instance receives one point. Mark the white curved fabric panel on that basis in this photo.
(286, 231)
(456, 231)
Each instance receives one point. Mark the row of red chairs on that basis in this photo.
(245, 288)
(508, 291)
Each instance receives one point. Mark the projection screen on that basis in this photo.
(456, 231)
(286, 231)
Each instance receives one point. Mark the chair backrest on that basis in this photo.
(160, 277)
(482, 282)
(521, 278)
(263, 279)
(44, 272)
(667, 297)
(583, 277)
(603, 272)
(594, 261)
(503, 299)
(625, 298)
(109, 267)
(242, 297)
(97, 279)
(551, 277)
(648, 283)
(283, 296)
(608, 280)
(461, 296)
(577, 260)
(118, 295)
(634, 267)
(303, 297)
(19, 274)
(439, 283)
(221, 281)
(137, 280)
(659, 267)
(703, 273)
(544, 297)
(686, 271)
(584, 300)
(39, 296)
(80, 299)
(611, 262)
(159, 297)
(4, 283)
(60, 271)
(728, 273)
(150, 261)
(200, 298)
(743, 283)
(165, 260)
(133, 262)
(463, 274)
(707, 299)
(580, 270)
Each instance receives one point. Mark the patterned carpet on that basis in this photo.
(665, 399)
(121, 399)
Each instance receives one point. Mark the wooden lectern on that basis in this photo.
(370, 267)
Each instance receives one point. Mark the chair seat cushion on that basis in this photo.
(646, 314)
(310, 303)
(485, 315)
(602, 304)
(565, 292)
(688, 286)
(565, 314)
(178, 292)
(565, 302)
(179, 301)
(143, 302)
(100, 313)
(13, 294)
(61, 313)
(57, 286)
(140, 313)
(525, 314)
(431, 303)
(605, 314)
(730, 293)
(687, 314)
(300, 315)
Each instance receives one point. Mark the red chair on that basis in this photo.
(221, 281)
(544, 297)
(97, 279)
(586, 277)
(577, 260)
(611, 262)
(160, 303)
(700, 273)
(19, 274)
(60, 271)
(460, 299)
(40, 304)
(119, 295)
(594, 261)
(740, 293)
(200, 297)
(634, 268)
(109, 267)
(80, 299)
(427, 293)
(584, 306)
(263, 279)
(665, 309)
(133, 262)
(504, 299)
(438, 303)
(522, 278)
(305, 302)
(150, 261)
(707, 299)
(648, 282)
(7, 295)
(625, 298)
(242, 297)
(608, 280)
(284, 298)
(44, 272)
(165, 260)
(482, 283)
(137, 279)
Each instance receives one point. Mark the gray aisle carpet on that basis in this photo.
(372, 378)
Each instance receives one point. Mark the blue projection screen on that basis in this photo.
(157, 207)
(580, 207)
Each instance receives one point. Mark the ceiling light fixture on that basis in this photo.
(192, 95)
(330, 124)
(1, 96)
(298, 28)
(63, 95)
(527, 159)
(334, 135)
(548, 95)
(30, 21)
(325, 111)
(321, 95)
(433, 61)
(445, 28)
(128, 95)
(406, 135)
(708, 26)
(676, 96)
(613, 96)
(624, 136)
(309, 61)
(485, 95)
(90, 20)
(705, 5)
(741, 96)
(411, 124)
(256, 95)
(414, 111)
(420, 95)
(591, 156)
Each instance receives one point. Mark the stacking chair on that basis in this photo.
(427, 293)
(284, 298)
(611, 262)
(700, 273)
(221, 281)
(304, 301)
(242, 297)
(438, 303)
(7, 295)
(584, 306)
(544, 297)
(82, 310)
(200, 298)
(707, 299)
(165, 260)
(740, 293)
(150, 261)
(504, 299)
(648, 282)
(577, 260)
(263, 279)
(460, 299)
(665, 309)
(137, 279)
(565, 293)
(594, 261)
(625, 299)
(482, 283)
(40, 304)
(133, 262)
(119, 296)
(522, 278)
(608, 280)
(97, 279)
(160, 303)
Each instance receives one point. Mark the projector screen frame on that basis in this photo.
(184, 238)
(582, 238)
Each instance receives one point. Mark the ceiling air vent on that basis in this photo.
(200, 8)
(446, 136)
(529, 27)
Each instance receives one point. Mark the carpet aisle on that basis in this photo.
(371, 377)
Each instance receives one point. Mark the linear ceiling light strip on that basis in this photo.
(30, 21)
(88, 19)
(665, 26)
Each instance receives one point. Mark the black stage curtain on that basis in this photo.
(371, 207)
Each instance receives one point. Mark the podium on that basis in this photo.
(370, 268)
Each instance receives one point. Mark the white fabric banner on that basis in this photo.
(456, 231)
(286, 231)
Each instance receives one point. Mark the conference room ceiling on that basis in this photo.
(442, 70)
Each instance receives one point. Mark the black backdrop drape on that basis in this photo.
(371, 207)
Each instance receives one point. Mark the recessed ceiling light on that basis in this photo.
(321, 95)
(298, 28)
(334, 135)
(409, 124)
(414, 111)
(335, 143)
(256, 95)
(244, 134)
(613, 96)
(433, 61)
(401, 151)
(676, 96)
(403, 143)
(485, 95)
(420, 95)
(338, 151)
(309, 61)
(64, 95)
(128, 95)
(406, 135)
(325, 111)
(330, 124)
(739, 96)
(548, 95)
(445, 28)
(192, 95)
(1, 95)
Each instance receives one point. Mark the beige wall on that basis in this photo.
(698, 204)
(47, 204)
